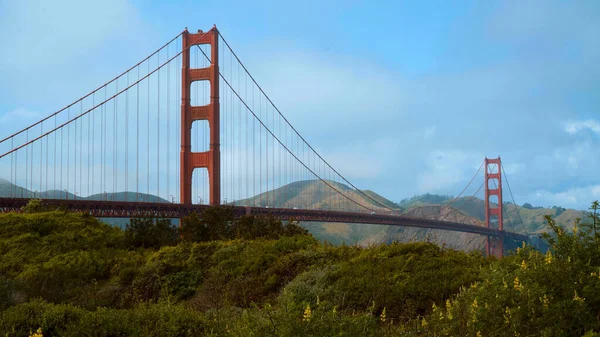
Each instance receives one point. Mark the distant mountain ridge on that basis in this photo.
(7, 189)
(315, 194)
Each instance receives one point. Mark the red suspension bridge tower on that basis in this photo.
(493, 175)
(211, 159)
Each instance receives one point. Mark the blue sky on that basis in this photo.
(409, 96)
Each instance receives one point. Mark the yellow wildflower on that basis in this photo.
(507, 315)
(517, 283)
(545, 301)
(383, 315)
(474, 305)
(576, 298)
(335, 309)
(548, 257)
(479, 334)
(307, 314)
(523, 265)
(423, 322)
(38, 333)
(434, 307)
(448, 309)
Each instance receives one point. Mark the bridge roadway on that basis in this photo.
(123, 209)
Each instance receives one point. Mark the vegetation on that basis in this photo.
(65, 274)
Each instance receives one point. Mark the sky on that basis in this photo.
(402, 97)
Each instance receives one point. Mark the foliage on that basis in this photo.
(531, 293)
(219, 224)
(70, 275)
(150, 233)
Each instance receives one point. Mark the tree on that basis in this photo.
(214, 223)
(150, 233)
(595, 206)
(33, 206)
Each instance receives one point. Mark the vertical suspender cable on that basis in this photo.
(148, 142)
(115, 107)
(104, 144)
(231, 130)
(61, 161)
(127, 141)
(12, 182)
(239, 149)
(41, 156)
(137, 136)
(91, 150)
(80, 149)
(158, 128)
(75, 156)
(168, 126)
(247, 141)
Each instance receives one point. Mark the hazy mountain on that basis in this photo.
(7, 189)
(315, 194)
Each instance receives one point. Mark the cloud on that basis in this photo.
(446, 170)
(513, 168)
(60, 50)
(40, 33)
(429, 131)
(15, 120)
(575, 197)
(19, 115)
(574, 127)
(355, 165)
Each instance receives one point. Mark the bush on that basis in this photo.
(530, 293)
(150, 233)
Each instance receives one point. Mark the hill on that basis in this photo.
(315, 194)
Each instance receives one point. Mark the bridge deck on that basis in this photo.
(122, 209)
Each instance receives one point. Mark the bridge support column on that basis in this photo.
(494, 246)
(211, 159)
(493, 213)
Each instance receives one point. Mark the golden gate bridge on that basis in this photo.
(115, 149)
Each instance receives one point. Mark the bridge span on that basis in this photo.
(123, 209)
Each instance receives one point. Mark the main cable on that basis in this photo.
(513, 199)
(280, 142)
(91, 93)
(100, 104)
(304, 140)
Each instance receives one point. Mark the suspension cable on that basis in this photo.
(453, 200)
(281, 143)
(513, 199)
(304, 140)
(91, 93)
(102, 103)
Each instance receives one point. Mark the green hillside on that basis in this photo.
(315, 194)
(68, 274)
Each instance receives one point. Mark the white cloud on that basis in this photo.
(19, 115)
(573, 127)
(356, 165)
(39, 33)
(447, 169)
(577, 197)
(429, 131)
(18, 119)
(513, 168)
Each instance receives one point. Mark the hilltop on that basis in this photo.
(315, 194)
